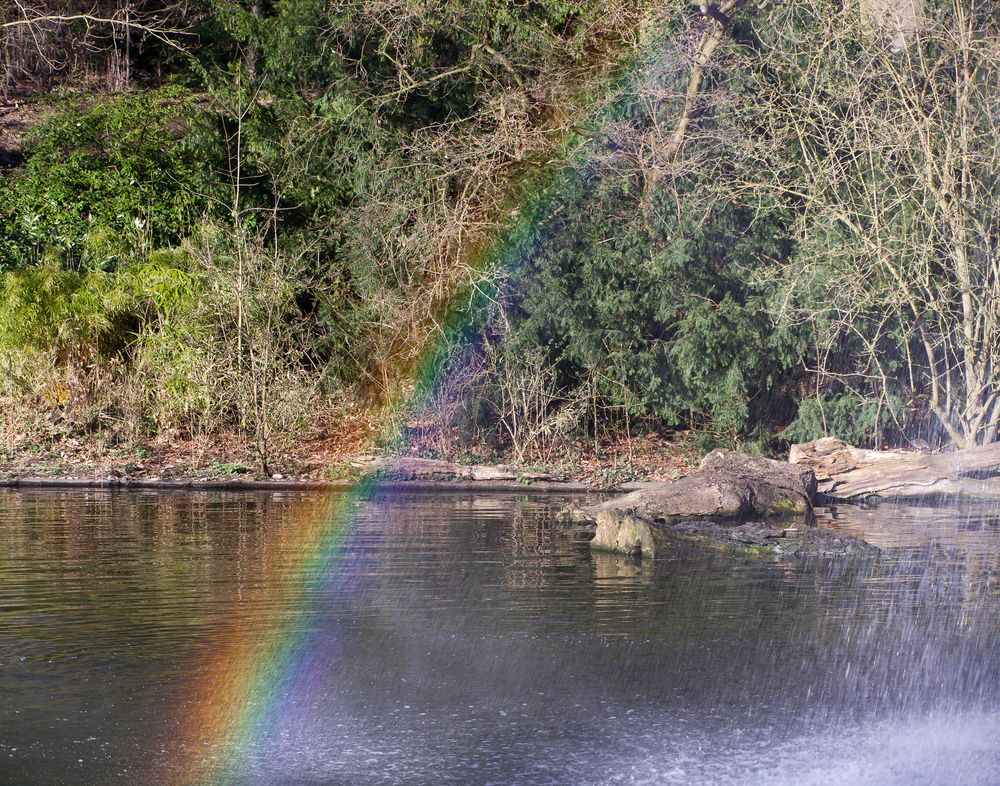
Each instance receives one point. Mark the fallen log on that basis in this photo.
(848, 474)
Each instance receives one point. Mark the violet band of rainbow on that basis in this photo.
(259, 673)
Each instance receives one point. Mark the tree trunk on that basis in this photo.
(846, 473)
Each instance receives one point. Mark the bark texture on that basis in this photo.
(849, 474)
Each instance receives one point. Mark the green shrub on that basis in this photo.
(660, 316)
(75, 314)
(101, 183)
(855, 419)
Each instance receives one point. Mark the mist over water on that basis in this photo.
(469, 641)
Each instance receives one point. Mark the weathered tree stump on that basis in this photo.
(735, 504)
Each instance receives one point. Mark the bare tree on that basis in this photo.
(465, 168)
(47, 38)
(888, 157)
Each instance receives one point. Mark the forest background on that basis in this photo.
(233, 230)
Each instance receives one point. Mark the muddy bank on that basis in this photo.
(411, 474)
(336, 458)
(197, 484)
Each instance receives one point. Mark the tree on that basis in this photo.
(46, 39)
(655, 312)
(888, 156)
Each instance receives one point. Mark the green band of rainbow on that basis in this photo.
(258, 672)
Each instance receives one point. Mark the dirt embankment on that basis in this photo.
(337, 455)
(17, 116)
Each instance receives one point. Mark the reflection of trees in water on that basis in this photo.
(945, 553)
(139, 563)
(516, 533)
(534, 548)
(440, 579)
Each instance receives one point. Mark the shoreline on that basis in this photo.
(293, 485)
(326, 466)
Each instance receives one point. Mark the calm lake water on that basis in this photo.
(466, 640)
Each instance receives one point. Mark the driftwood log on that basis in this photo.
(846, 473)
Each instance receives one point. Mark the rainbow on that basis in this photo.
(259, 669)
(249, 678)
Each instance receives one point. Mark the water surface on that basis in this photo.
(468, 641)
